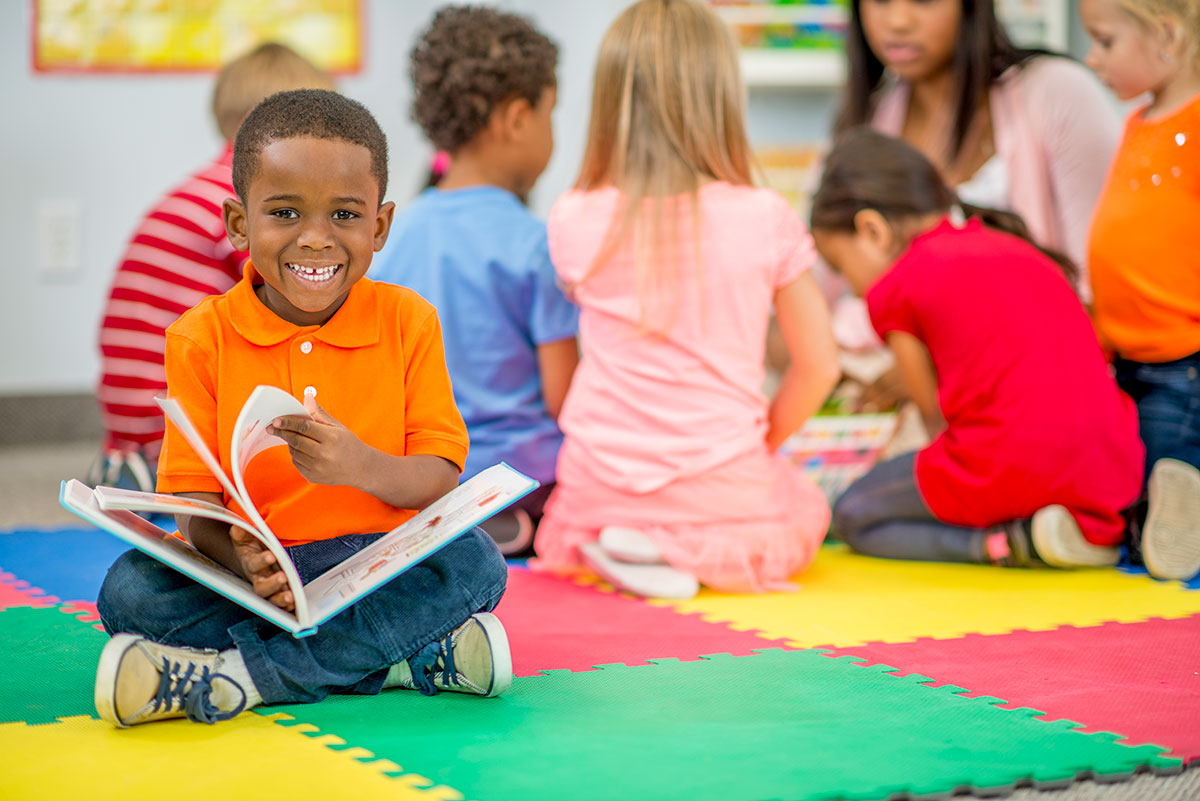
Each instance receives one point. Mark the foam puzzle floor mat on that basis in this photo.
(249, 756)
(780, 724)
(1141, 679)
(940, 679)
(847, 599)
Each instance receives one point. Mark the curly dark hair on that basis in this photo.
(307, 112)
(469, 60)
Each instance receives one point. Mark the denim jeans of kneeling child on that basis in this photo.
(350, 653)
(1167, 395)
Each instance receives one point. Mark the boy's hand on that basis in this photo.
(260, 567)
(323, 450)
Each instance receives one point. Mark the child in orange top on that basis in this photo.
(1145, 265)
(310, 170)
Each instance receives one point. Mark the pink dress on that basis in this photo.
(665, 431)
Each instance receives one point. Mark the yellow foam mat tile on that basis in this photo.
(846, 599)
(249, 756)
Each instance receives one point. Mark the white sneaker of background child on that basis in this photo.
(630, 545)
(1171, 535)
(630, 561)
(1059, 542)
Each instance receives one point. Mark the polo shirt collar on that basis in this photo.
(354, 325)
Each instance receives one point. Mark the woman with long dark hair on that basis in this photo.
(1021, 130)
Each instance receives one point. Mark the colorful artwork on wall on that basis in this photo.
(190, 35)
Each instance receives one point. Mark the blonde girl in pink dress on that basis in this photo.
(668, 474)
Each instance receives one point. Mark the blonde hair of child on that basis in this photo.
(249, 79)
(1185, 13)
(668, 109)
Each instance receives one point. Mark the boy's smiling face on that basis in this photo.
(312, 221)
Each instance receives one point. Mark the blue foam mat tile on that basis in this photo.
(69, 563)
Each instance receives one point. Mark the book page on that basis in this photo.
(252, 410)
(112, 499)
(174, 552)
(175, 413)
(454, 513)
(250, 438)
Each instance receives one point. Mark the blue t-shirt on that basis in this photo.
(481, 258)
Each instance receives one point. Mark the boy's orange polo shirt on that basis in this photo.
(377, 366)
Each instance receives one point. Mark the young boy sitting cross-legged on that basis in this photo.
(310, 171)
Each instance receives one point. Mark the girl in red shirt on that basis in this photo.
(1035, 451)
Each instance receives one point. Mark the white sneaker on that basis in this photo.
(646, 580)
(1059, 542)
(630, 545)
(139, 681)
(1171, 536)
(474, 658)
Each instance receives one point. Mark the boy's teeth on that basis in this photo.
(314, 273)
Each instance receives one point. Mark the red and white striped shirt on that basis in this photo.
(178, 256)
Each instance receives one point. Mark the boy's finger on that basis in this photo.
(270, 585)
(260, 563)
(302, 426)
(318, 413)
(243, 538)
(246, 544)
(302, 443)
(284, 600)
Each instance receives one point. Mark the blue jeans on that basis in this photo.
(350, 653)
(882, 514)
(1167, 395)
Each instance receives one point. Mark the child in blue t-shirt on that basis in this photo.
(484, 89)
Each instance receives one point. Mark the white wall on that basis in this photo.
(113, 144)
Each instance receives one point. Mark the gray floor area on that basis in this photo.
(29, 479)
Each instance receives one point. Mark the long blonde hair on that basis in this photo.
(668, 110)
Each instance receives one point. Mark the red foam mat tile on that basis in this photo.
(553, 624)
(14, 592)
(1141, 680)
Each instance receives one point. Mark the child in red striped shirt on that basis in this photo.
(177, 256)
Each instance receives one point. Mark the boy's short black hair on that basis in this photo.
(306, 112)
(469, 60)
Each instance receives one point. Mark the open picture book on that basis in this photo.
(115, 510)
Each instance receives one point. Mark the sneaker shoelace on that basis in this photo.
(424, 665)
(190, 691)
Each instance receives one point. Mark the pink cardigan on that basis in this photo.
(1057, 129)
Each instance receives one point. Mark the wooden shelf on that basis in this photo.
(1036, 22)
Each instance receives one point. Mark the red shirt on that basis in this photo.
(178, 256)
(1033, 415)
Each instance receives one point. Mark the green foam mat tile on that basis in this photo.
(49, 665)
(780, 724)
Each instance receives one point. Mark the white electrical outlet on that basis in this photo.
(58, 239)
